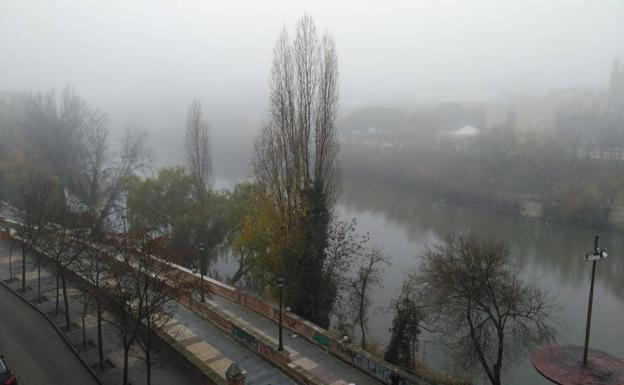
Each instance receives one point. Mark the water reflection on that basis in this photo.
(555, 249)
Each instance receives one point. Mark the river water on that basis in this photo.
(404, 222)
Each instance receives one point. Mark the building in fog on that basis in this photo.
(616, 88)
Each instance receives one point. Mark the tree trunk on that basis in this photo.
(23, 268)
(39, 278)
(99, 333)
(84, 333)
(10, 261)
(363, 331)
(148, 364)
(238, 275)
(84, 315)
(362, 310)
(65, 301)
(58, 271)
(125, 364)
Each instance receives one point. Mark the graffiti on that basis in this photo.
(377, 369)
(245, 337)
(321, 339)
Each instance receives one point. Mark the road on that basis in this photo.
(33, 349)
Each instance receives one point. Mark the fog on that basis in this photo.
(143, 61)
(423, 119)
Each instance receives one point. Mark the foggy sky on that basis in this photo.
(135, 59)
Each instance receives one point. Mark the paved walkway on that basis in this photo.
(32, 347)
(307, 355)
(207, 342)
(259, 372)
(164, 371)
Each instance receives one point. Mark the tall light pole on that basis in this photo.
(125, 231)
(10, 255)
(8, 232)
(280, 285)
(592, 256)
(202, 248)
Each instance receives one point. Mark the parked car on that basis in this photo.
(7, 377)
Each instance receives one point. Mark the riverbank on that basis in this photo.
(521, 205)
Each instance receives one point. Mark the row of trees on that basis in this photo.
(58, 167)
(127, 279)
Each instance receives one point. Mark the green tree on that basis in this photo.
(405, 329)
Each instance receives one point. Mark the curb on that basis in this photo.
(58, 331)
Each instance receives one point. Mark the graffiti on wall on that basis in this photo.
(245, 337)
(321, 339)
(377, 369)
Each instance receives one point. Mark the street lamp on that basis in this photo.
(201, 248)
(125, 231)
(8, 232)
(591, 256)
(280, 285)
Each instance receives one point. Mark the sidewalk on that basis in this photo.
(329, 368)
(164, 371)
(203, 340)
(259, 372)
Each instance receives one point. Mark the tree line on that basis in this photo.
(574, 172)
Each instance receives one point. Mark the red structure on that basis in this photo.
(563, 365)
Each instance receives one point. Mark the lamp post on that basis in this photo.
(8, 232)
(125, 232)
(280, 285)
(592, 256)
(202, 248)
(10, 255)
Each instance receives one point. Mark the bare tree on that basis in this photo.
(85, 305)
(295, 161)
(472, 293)
(132, 158)
(368, 276)
(64, 243)
(161, 287)
(37, 192)
(94, 268)
(198, 148)
(299, 145)
(138, 291)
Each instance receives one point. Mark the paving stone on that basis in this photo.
(203, 350)
(221, 366)
(306, 363)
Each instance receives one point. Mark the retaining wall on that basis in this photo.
(349, 353)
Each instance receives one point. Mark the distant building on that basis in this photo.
(616, 88)
(467, 131)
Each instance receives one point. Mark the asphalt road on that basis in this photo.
(33, 349)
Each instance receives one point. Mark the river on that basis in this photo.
(404, 222)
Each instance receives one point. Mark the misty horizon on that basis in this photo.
(143, 62)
